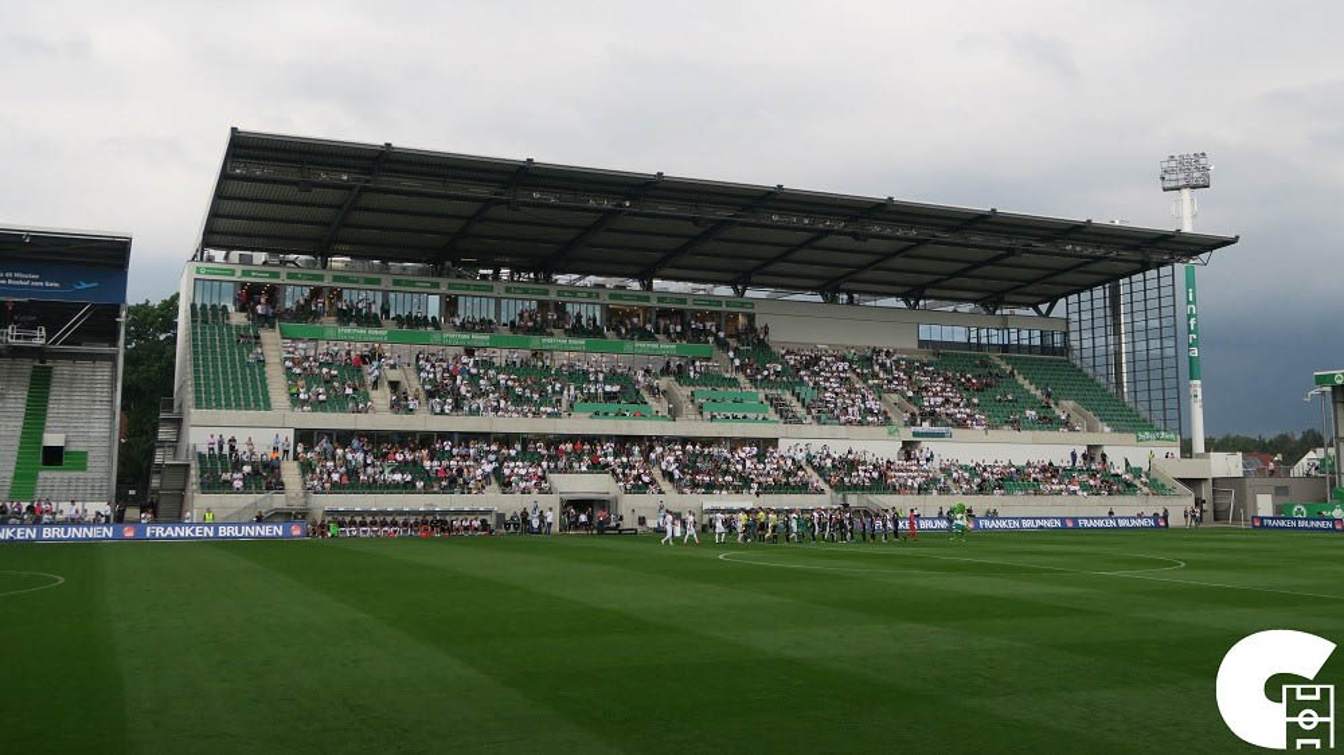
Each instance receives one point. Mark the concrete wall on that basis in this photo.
(688, 428)
(1281, 489)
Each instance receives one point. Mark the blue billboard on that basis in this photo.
(1297, 524)
(69, 533)
(1036, 523)
(54, 282)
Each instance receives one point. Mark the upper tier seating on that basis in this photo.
(1062, 379)
(959, 389)
(330, 378)
(833, 397)
(699, 373)
(726, 405)
(598, 387)
(1004, 401)
(228, 368)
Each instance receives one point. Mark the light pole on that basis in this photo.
(1326, 444)
(1185, 173)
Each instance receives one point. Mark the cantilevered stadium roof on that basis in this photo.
(294, 195)
(56, 246)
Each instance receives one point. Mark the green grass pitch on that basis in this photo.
(1049, 642)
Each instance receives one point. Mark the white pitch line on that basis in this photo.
(1178, 564)
(59, 581)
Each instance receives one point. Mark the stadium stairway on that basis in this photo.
(899, 409)
(380, 397)
(412, 379)
(290, 475)
(28, 455)
(275, 368)
(676, 397)
(797, 405)
(14, 375)
(663, 482)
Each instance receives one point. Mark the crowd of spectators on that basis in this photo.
(362, 311)
(440, 466)
(689, 330)
(856, 471)
(230, 467)
(698, 373)
(629, 462)
(471, 324)
(700, 468)
(476, 386)
(526, 386)
(835, 398)
(631, 329)
(416, 320)
(578, 326)
(533, 322)
(936, 394)
(328, 378)
(46, 511)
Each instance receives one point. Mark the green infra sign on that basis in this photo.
(493, 340)
(1313, 510)
(1330, 377)
(1192, 322)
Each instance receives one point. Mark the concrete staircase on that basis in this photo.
(898, 407)
(14, 375)
(677, 397)
(276, 386)
(663, 482)
(293, 479)
(411, 379)
(798, 408)
(380, 397)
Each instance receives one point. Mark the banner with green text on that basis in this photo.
(493, 340)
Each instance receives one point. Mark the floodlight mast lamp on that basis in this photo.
(1185, 173)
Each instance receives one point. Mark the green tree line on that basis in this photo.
(1289, 446)
(151, 349)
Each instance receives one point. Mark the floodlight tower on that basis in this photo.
(1185, 173)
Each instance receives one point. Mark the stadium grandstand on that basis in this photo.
(62, 306)
(370, 328)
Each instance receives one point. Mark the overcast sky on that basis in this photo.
(115, 116)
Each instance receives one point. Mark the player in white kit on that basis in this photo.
(669, 526)
(720, 529)
(692, 528)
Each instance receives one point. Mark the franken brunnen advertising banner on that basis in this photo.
(66, 533)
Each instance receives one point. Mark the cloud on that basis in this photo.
(117, 119)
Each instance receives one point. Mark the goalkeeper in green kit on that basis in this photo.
(959, 522)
